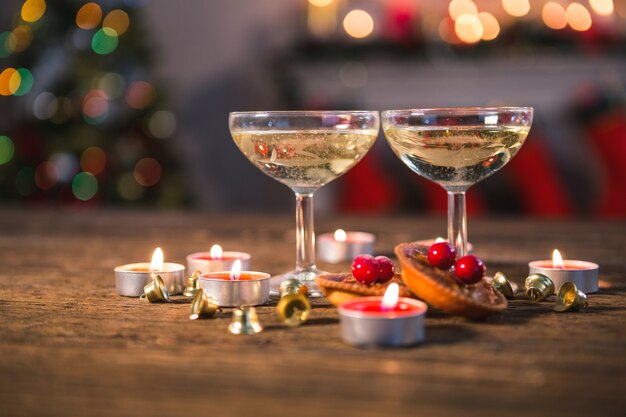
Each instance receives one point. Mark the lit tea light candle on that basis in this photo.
(235, 288)
(344, 246)
(130, 279)
(216, 260)
(383, 321)
(430, 242)
(583, 274)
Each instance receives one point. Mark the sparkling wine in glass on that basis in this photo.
(304, 150)
(456, 148)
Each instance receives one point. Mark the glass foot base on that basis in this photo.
(305, 276)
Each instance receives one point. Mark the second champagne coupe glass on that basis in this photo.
(456, 148)
(304, 150)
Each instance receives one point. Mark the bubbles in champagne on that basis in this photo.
(456, 157)
(305, 159)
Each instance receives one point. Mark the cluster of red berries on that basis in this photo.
(369, 270)
(468, 269)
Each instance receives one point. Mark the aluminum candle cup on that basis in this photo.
(204, 262)
(130, 279)
(583, 274)
(252, 288)
(336, 248)
(364, 323)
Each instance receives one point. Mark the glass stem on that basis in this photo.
(305, 233)
(457, 222)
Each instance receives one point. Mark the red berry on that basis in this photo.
(365, 269)
(469, 269)
(386, 269)
(442, 255)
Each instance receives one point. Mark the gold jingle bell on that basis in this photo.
(203, 306)
(569, 297)
(156, 291)
(538, 287)
(292, 286)
(192, 284)
(502, 284)
(293, 309)
(245, 321)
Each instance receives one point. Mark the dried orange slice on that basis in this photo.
(439, 288)
(339, 288)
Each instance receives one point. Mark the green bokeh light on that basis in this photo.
(84, 186)
(104, 41)
(27, 82)
(5, 50)
(6, 149)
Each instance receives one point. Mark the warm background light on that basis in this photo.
(516, 8)
(468, 28)
(491, 27)
(320, 3)
(118, 21)
(32, 10)
(578, 17)
(446, 31)
(457, 8)
(602, 7)
(358, 24)
(89, 16)
(553, 15)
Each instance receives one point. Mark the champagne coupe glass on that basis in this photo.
(304, 150)
(456, 148)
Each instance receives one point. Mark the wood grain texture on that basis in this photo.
(70, 346)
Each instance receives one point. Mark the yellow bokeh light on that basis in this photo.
(578, 17)
(602, 7)
(491, 27)
(32, 10)
(553, 15)
(321, 3)
(20, 39)
(358, 24)
(117, 20)
(10, 81)
(458, 8)
(516, 8)
(468, 28)
(89, 16)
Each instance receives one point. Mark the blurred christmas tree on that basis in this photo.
(83, 120)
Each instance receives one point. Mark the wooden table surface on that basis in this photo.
(70, 346)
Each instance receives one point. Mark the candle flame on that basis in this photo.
(340, 235)
(439, 240)
(557, 260)
(235, 271)
(157, 260)
(390, 299)
(216, 252)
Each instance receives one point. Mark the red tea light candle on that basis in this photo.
(383, 321)
(583, 274)
(344, 246)
(131, 278)
(216, 260)
(235, 288)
